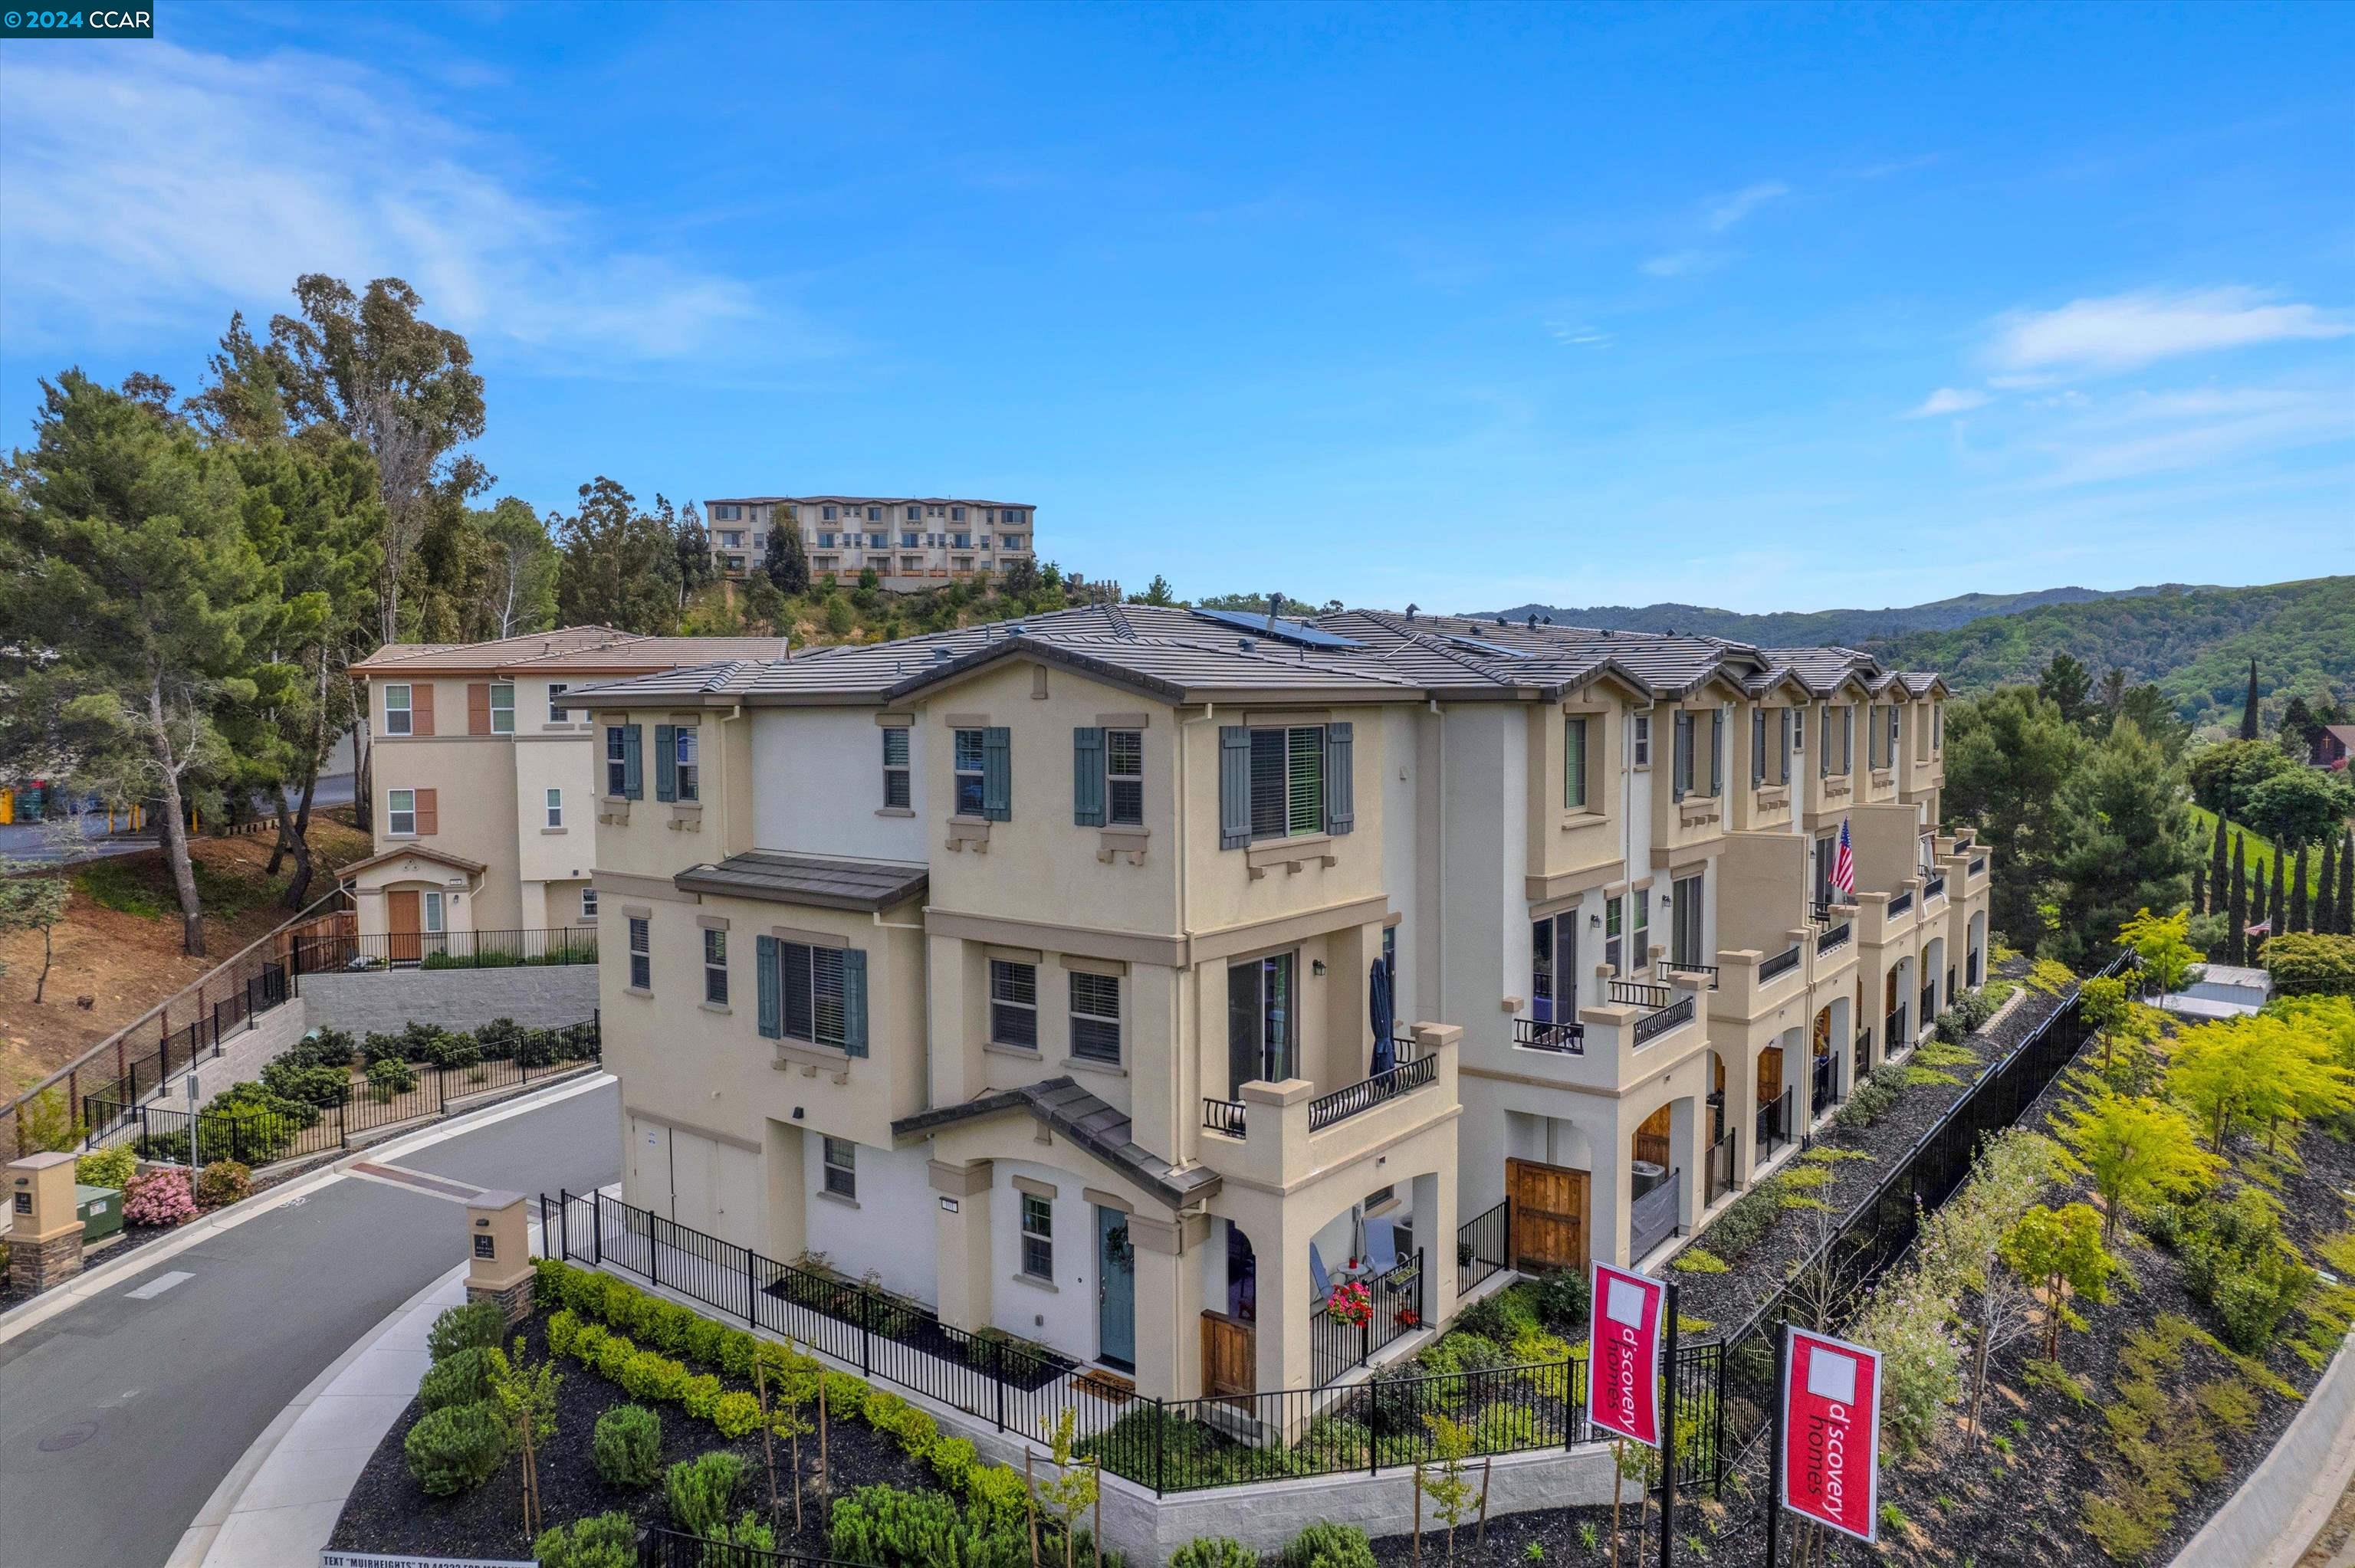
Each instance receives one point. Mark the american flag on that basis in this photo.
(1844, 865)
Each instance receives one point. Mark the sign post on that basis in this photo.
(1828, 1432)
(1631, 1314)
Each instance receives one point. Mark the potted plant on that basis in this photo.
(1350, 1303)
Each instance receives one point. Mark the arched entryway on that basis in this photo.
(1775, 1121)
(1897, 1007)
(1823, 1066)
(1975, 952)
(1935, 992)
(1230, 1330)
(1656, 1178)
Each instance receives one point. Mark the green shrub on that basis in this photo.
(996, 1499)
(111, 1167)
(700, 1394)
(322, 1048)
(626, 1446)
(666, 1325)
(309, 1082)
(377, 1048)
(702, 1490)
(476, 1323)
(462, 1377)
(563, 1324)
(1562, 1300)
(606, 1541)
(1214, 1552)
(953, 1461)
(1329, 1545)
(455, 1448)
(613, 1356)
(1746, 1220)
(885, 1526)
(1699, 1260)
(589, 1342)
(391, 1077)
(2306, 963)
(222, 1183)
(735, 1414)
(748, 1531)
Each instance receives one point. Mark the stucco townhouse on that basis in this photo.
(484, 782)
(1127, 978)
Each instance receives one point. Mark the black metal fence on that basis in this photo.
(1718, 1167)
(668, 1549)
(263, 1136)
(1394, 1306)
(1168, 1445)
(1774, 1130)
(1484, 1245)
(349, 952)
(199, 1039)
(1880, 1230)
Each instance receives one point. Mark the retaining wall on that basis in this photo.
(539, 995)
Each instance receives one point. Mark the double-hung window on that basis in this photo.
(1574, 795)
(896, 795)
(690, 785)
(1096, 1017)
(1680, 764)
(588, 905)
(642, 953)
(1823, 745)
(1014, 1004)
(1615, 936)
(555, 808)
(1847, 739)
(397, 719)
(1757, 747)
(1888, 748)
(715, 966)
(1642, 733)
(502, 707)
(622, 781)
(557, 712)
(1937, 727)
(1288, 781)
(842, 1168)
(401, 813)
(968, 769)
(1782, 745)
(1037, 1236)
(1639, 931)
(811, 993)
(1124, 776)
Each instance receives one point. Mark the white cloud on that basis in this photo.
(1949, 400)
(160, 184)
(1744, 202)
(1683, 264)
(1577, 334)
(2122, 331)
(2170, 433)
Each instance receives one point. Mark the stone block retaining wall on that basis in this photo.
(537, 995)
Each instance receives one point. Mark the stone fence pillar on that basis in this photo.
(44, 1232)
(498, 1258)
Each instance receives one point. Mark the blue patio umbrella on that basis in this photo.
(1378, 1003)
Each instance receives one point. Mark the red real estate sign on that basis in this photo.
(1622, 1374)
(1831, 1431)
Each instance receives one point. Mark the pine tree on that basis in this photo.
(2249, 710)
(2326, 889)
(786, 563)
(2218, 897)
(2345, 922)
(2236, 938)
(2297, 907)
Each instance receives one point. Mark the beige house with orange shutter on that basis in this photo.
(483, 778)
(1061, 942)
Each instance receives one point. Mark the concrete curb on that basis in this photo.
(106, 1276)
(2287, 1498)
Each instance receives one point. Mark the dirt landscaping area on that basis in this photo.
(120, 943)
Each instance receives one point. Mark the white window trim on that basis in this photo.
(588, 905)
(555, 808)
(392, 812)
(847, 1168)
(558, 713)
(406, 712)
(508, 687)
(1045, 1238)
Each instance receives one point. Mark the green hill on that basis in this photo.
(1848, 628)
(2195, 642)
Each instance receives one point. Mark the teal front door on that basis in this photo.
(1115, 1291)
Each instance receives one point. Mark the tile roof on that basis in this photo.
(1101, 1128)
(1174, 653)
(860, 501)
(825, 881)
(585, 650)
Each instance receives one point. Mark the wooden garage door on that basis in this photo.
(1548, 1217)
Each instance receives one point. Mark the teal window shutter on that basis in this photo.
(854, 1002)
(1234, 787)
(666, 762)
(1088, 777)
(1340, 789)
(997, 773)
(770, 977)
(634, 782)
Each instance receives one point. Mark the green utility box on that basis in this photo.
(100, 1210)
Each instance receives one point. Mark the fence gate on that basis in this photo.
(1229, 1358)
(1547, 1222)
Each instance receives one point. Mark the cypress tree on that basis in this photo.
(2249, 710)
(2278, 903)
(2199, 886)
(2299, 920)
(2236, 939)
(2326, 886)
(2345, 923)
(2217, 897)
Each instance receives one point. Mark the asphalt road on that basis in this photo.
(145, 1405)
(35, 842)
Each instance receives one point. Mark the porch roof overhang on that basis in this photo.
(412, 851)
(1101, 1128)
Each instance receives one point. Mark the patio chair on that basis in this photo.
(1317, 1277)
(1382, 1247)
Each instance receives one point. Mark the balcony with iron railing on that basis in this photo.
(1753, 981)
(1287, 1133)
(1564, 1037)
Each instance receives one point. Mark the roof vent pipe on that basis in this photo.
(1245, 644)
(1410, 612)
(1274, 607)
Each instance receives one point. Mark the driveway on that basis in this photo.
(120, 1416)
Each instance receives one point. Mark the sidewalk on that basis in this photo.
(2288, 1499)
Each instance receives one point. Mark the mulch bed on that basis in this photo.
(387, 1511)
(1725, 1300)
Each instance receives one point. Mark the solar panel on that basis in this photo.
(1294, 631)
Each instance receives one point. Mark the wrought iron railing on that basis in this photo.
(1343, 1103)
(1774, 1124)
(1222, 1116)
(1539, 1034)
(1658, 1023)
(1638, 993)
(1935, 887)
(1901, 903)
(1779, 966)
(1894, 1032)
(383, 950)
(1394, 1297)
(1978, 865)
(1484, 1243)
(1832, 938)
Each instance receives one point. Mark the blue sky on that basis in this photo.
(1778, 308)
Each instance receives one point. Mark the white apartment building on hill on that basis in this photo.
(1033, 970)
(909, 541)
